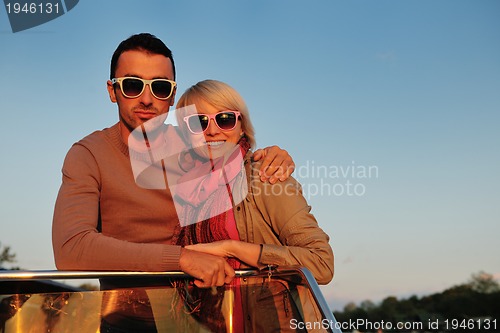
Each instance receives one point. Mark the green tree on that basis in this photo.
(350, 307)
(6, 256)
(483, 283)
(367, 305)
(389, 307)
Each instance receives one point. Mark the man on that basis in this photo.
(102, 219)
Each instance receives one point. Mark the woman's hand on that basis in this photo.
(247, 252)
(218, 248)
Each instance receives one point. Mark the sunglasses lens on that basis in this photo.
(226, 120)
(162, 89)
(197, 124)
(132, 87)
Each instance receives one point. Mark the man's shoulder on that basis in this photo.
(93, 143)
(98, 136)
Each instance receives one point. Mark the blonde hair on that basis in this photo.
(219, 95)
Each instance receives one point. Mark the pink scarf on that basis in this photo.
(206, 194)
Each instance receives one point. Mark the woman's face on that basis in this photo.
(214, 142)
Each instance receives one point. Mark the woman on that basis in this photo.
(225, 209)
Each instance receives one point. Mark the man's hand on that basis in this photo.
(277, 164)
(208, 270)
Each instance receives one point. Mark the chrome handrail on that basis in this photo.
(32, 275)
(317, 294)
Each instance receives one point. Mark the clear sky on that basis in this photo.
(391, 110)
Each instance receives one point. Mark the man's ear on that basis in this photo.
(172, 98)
(111, 91)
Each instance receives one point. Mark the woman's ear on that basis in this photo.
(111, 91)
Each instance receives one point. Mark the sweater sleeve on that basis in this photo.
(77, 242)
(303, 242)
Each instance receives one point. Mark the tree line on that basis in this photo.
(466, 305)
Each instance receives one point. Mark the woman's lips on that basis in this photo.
(214, 144)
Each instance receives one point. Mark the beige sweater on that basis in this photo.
(103, 220)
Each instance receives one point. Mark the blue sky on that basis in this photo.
(409, 88)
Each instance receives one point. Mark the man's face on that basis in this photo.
(135, 111)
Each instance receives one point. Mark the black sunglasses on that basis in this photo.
(225, 120)
(133, 87)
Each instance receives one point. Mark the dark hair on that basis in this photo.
(143, 41)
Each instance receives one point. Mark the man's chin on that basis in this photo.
(151, 123)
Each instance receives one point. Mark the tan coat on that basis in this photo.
(279, 217)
